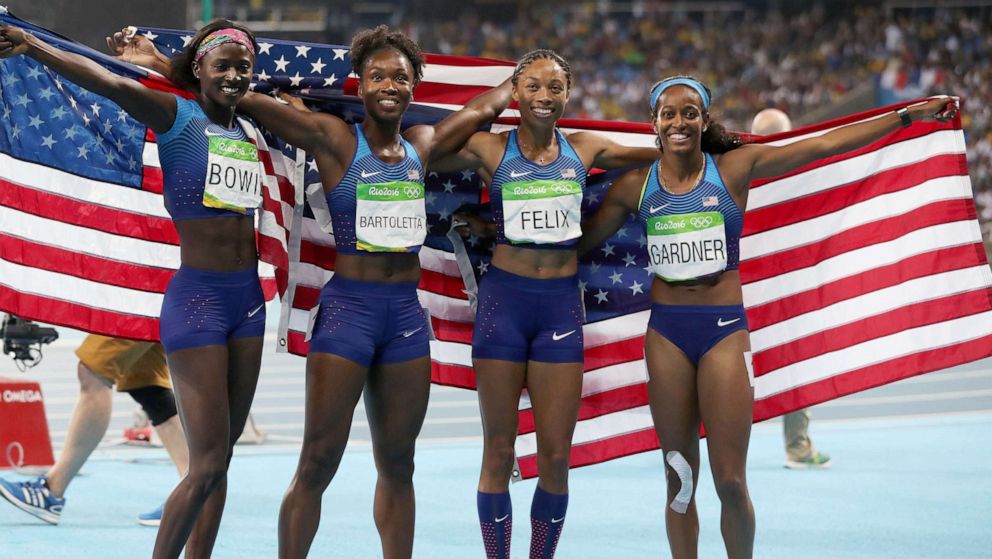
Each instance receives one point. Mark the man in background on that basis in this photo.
(800, 453)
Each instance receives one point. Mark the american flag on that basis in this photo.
(867, 230)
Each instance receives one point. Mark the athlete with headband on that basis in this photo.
(213, 312)
(691, 202)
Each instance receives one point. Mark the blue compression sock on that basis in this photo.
(496, 520)
(547, 516)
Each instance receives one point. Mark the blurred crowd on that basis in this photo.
(752, 59)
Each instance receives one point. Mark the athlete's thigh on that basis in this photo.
(499, 384)
(555, 391)
(726, 400)
(396, 396)
(244, 362)
(672, 394)
(334, 385)
(200, 383)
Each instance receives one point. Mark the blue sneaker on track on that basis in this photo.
(153, 518)
(33, 497)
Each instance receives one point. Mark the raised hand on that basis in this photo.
(941, 109)
(128, 46)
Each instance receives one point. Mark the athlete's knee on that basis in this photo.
(731, 488)
(680, 481)
(396, 466)
(553, 462)
(159, 403)
(317, 468)
(498, 455)
(204, 478)
(90, 382)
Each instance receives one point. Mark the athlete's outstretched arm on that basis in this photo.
(758, 161)
(154, 109)
(608, 154)
(620, 201)
(311, 131)
(449, 135)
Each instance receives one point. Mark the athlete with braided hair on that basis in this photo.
(691, 201)
(528, 328)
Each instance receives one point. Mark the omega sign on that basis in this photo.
(22, 396)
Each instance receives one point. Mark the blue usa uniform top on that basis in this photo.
(378, 206)
(208, 170)
(538, 206)
(691, 235)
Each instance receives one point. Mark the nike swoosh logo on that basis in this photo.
(366, 175)
(254, 312)
(557, 520)
(514, 174)
(209, 133)
(555, 336)
(412, 332)
(502, 518)
(653, 209)
(722, 322)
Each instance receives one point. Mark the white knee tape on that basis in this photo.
(678, 463)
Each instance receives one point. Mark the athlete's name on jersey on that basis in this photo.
(683, 252)
(390, 222)
(544, 219)
(22, 396)
(244, 180)
(562, 188)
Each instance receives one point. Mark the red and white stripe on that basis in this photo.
(864, 268)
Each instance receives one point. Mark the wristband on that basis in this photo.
(903, 114)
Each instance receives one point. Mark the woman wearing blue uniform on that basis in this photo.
(213, 312)
(528, 328)
(370, 332)
(691, 202)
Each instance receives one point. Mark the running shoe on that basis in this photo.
(153, 518)
(817, 461)
(33, 497)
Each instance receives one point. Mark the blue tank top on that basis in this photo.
(538, 206)
(197, 155)
(377, 206)
(692, 235)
